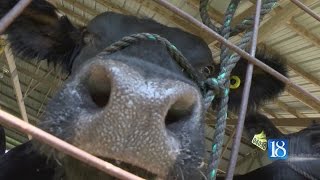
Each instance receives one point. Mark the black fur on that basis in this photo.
(99, 35)
(38, 33)
(278, 170)
(2, 141)
(22, 162)
(264, 87)
(305, 143)
(256, 122)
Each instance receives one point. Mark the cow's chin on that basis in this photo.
(132, 169)
(75, 170)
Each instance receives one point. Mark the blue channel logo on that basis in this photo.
(278, 149)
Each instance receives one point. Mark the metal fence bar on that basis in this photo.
(306, 9)
(62, 146)
(44, 137)
(245, 97)
(242, 53)
(12, 14)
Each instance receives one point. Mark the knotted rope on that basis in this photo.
(245, 24)
(228, 62)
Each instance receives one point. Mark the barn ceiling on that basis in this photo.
(287, 30)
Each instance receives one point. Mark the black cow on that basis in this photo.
(2, 141)
(31, 165)
(304, 151)
(23, 162)
(135, 106)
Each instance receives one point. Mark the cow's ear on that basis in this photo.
(39, 33)
(256, 122)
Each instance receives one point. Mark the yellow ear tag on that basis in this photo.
(237, 82)
(260, 140)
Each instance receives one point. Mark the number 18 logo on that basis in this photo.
(278, 149)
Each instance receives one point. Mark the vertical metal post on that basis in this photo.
(245, 97)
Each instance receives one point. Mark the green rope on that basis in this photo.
(228, 62)
(223, 93)
(205, 17)
(247, 23)
(173, 51)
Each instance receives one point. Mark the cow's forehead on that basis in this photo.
(111, 27)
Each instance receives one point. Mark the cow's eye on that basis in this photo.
(208, 70)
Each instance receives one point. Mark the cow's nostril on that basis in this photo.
(181, 110)
(99, 86)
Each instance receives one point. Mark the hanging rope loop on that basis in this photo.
(221, 84)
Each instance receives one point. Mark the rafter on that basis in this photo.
(303, 32)
(31, 99)
(31, 81)
(224, 146)
(16, 84)
(250, 164)
(78, 5)
(254, 153)
(280, 17)
(303, 73)
(285, 122)
(112, 6)
(270, 112)
(228, 142)
(244, 140)
(289, 109)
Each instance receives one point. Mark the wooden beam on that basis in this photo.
(9, 106)
(73, 14)
(228, 142)
(304, 99)
(303, 32)
(250, 164)
(31, 81)
(16, 84)
(38, 83)
(218, 17)
(244, 140)
(80, 6)
(280, 18)
(184, 24)
(289, 109)
(303, 73)
(34, 77)
(113, 7)
(285, 122)
(252, 154)
(214, 14)
(270, 112)
(12, 99)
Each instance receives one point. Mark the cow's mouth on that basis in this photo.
(141, 172)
